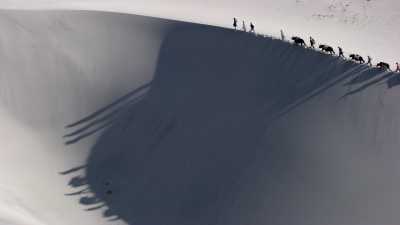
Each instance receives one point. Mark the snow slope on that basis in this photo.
(57, 67)
(368, 27)
(234, 129)
(238, 129)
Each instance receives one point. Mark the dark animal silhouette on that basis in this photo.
(383, 65)
(327, 48)
(299, 41)
(357, 58)
(322, 47)
(353, 56)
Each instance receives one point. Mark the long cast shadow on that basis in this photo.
(111, 106)
(174, 156)
(73, 170)
(104, 117)
(365, 76)
(311, 93)
(95, 122)
(393, 81)
(384, 77)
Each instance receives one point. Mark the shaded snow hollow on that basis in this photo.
(238, 129)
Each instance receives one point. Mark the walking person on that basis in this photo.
(369, 62)
(312, 42)
(244, 26)
(341, 52)
(397, 67)
(282, 35)
(235, 23)
(252, 28)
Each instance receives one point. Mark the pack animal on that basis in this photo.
(299, 41)
(357, 58)
(327, 48)
(383, 65)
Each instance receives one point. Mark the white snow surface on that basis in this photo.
(367, 27)
(56, 68)
(60, 66)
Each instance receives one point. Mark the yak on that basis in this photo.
(327, 48)
(298, 41)
(384, 66)
(357, 58)
(322, 46)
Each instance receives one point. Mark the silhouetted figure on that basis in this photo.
(282, 35)
(369, 61)
(312, 42)
(383, 65)
(235, 23)
(252, 28)
(244, 26)
(341, 52)
(357, 58)
(299, 41)
(327, 48)
(397, 68)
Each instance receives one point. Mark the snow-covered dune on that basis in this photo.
(367, 27)
(202, 125)
(57, 67)
(238, 129)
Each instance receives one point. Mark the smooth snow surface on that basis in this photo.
(114, 118)
(367, 27)
(55, 68)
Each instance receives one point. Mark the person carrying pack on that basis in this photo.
(341, 52)
(312, 42)
(244, 26)
(235, 23)
(252, 28)
(282, 35)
